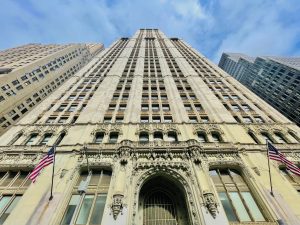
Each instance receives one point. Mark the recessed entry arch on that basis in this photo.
(162, 200)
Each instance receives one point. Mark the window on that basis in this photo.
(280, 138)
(193, 119)
(204, 119)
(144, 137)
(247, 119)
(62, 119)
(145, 107)
(168, 119)
(235, 195)
(91, 205)
(107, 119)
(172, 136)
(113, 137)
(266, 136)
(159, 208)
(144, 119)
(258, 119)
(294, 136)
(99, 137)
(198, 107)
(60, 138)
(119, 119)
(225, 97)
(216, 137)
(254, 138)
(31, 139)
(202, 137)
(16, 138)
(72, 108)
(246, 108)
(235, 108)
(51, 120)
(46, 138)
(156, 119)
(158, 136)
(188, 107)
(122, 107)
(155, 107)
(61, 108)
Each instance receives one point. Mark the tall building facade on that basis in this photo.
(29, 73)
(274, 79)
(151, 124)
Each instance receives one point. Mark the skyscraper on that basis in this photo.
(31, 72)
(274, 79)
(161, 135)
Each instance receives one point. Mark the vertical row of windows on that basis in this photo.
(195, 111)
(241, 111)
(155, 107)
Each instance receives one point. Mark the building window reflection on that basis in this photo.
(236, 197)
(88, 208)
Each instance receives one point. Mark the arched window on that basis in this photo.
(238, 203)
(281, 139)
(99, 137)
(172, 136)
(158, 136)
(294, 136)
(266, 136)
(202, 137)
(162, 202)
(60, 138)
(216, 137)
(159, 209)
(91, 205)
(46, 138)
(31, 139)
(144, 137)
(16, 138)
(254, 138)
(113, 137)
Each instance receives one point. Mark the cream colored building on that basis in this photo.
(29, 73)
(168, 139)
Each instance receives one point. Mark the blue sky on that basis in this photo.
(254, 27)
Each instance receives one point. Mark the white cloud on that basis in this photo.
(212, 26)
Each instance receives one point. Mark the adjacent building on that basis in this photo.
(274, 79)
(160, 135)
(29, 73)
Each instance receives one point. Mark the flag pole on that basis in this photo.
(51, 194)
(269, 169)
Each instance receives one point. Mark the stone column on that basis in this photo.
(119, 213)
(211, 209)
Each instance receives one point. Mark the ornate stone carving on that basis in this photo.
(256, 170)
(207, 128)
(210, 203)
(117, 205)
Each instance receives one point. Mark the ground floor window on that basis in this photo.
(88, 208)
(235, 195)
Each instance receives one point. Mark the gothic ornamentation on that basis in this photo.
(207, 128)
(256, 170)
(180, 171)
(117, 205)
(210, 203)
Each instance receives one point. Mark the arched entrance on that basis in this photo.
(162, 202)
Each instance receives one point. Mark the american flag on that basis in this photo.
(46, 160)
(274, 154)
